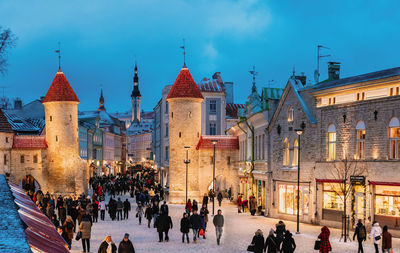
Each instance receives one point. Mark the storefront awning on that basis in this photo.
(324, 180)
(384, 183)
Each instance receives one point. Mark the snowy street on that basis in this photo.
(238, 232)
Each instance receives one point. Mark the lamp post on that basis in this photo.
(187, 161)
(299, 132)
(214, 142)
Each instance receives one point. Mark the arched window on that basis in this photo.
(286, 154)
(290, 114)
(360, 130)
(394, 138)
(331, 145)
(295, 156)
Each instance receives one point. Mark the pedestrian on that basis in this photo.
(139, 212)
(195, 206)
(102, 209)
(107, 246)
(239, 203)
(386, 240)
(202, 224)
(218, 222)
(205, 199)
(325, 246)
(253, 205)
(376, 235)
(63, 234)
(361, 234)
(126, 246)
(120, 207)
(163, 224)
(86, 229)
(148, 214)
(185, 226)
(271, 245)
(54, 220)
(164, 208)
(127, 208)
(257, 243)
(219, 197)
(188, 206)
(195, 224)
(62, 214)
(280, 231)
(288, 245)
(95, 210)
(69, 227)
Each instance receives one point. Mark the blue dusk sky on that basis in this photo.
(99, 41)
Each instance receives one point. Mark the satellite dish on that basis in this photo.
(316, 76)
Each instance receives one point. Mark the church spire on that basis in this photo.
(135, 92)
(101, 101)
(136, 97)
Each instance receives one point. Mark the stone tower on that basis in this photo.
(66, 171)
(136, 98)
(184, 100)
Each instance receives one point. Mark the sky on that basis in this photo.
(100, 40)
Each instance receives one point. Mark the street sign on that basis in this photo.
(357, 180)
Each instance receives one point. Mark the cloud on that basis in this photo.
(210, 51)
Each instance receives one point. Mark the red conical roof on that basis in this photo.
(184, 86)
(60, 90)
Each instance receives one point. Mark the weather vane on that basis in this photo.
(58, 51)
(254, 73)
(184, 52)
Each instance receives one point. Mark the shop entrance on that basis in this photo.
(359, 206)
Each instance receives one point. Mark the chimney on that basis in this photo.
(333, 70)
(302, 78)
(17, 104)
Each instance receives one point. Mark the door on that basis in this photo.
(359, 204)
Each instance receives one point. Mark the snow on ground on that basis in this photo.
(238, 232)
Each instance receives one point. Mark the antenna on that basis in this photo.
(316, 72)
(184, 53)
(254, 73)
(59, 55)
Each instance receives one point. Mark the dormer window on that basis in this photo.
(290, 114)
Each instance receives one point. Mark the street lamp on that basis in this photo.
(187, 161)
(299, 132)
(214, 142)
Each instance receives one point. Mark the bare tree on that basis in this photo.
(7, 41)
(342, 171)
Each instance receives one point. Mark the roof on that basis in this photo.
(356, 79)
(12, 236)
(24, 126)
(271, 93)
(207, 85)
(5, 126)
(224, 142)
(29, 142)
(184, 86)
(60, 90)
(232, 110)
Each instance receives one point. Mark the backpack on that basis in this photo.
(362, 233)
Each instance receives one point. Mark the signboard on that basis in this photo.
(360, 180)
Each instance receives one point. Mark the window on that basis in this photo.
(35, 159)
(332, 101)
(286, 154)
(287, 199)
(5, 160)
(290, 114)
(387, 200)
(213, 129)
(331, 198)
(51, 118)
(262, 149)
(213, 107)
(172, 115)
(180, 134)
(166, 107)
(360, 96)
(394, 138)
(331, 143)
(56, 138)
(166, 130)
(295, 153)
(6, 139)
(229, 160)
(166, 153)
(22, 159)
(360, 128)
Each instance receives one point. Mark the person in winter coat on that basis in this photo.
(324, 236)
(62, 214)
(271, 245)
(253, 206)
(148, 214)
(156, 210)
(163, 224)
(386, 240)
(139, 212)
(205, 199)
(218, 222)
(188, 206)
(164, 208)
(195, 224)
(126, 246)
(86, 229)
(127, 208)
(376, 234)
(361, 234)
(63, 234)
(280, 231)
(288, 244)
(219, 198)
(185, 226)
(239, 203)
(107, 246)
(258, 242)
(120, 207)
(102, 209)
(195, 206)
(69, 227)
(54, 220)
(202, 225)
(95, 211)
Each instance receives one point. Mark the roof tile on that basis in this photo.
(60, 90)
(29, 142)
(224, 142)
(184, 86)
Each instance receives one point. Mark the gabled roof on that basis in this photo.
(356, 79)
(60, 90)
(207, 85)
(224, 142)
(232, 110)
(184, 86)
(5, 126)
(29, 142)
(24, 126)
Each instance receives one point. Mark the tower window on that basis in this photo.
(6, 139)
(180, 134)
(229, 160)
(172, 114)
(22, 159)
(35, 159)
(51, 118)
(5, 160)
(70, 117)
(56, 138)
(190, 114)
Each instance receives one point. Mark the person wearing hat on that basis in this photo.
(126, 246)
(107, 245)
